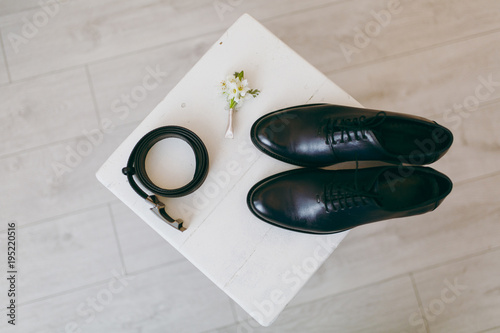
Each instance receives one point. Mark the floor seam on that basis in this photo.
(477, 178)
(397, 276)
(399, 55)
(96, 284)
(61, 141)
(41, 75)
(6, 63)
(233, 310)
(480, 106)
(419, 301)
(65, 292)
(155, 267)
(92, 94)
(303, 10)
(414, 51)
(118, 243)
(60, 216)
(489, 329)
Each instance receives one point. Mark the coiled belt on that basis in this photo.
(136, 166)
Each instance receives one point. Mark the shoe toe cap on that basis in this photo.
(271, 134)
(285, 203)
(266, 202)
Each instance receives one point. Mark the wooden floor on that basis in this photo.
(86, 262)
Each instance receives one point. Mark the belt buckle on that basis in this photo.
(159, 210)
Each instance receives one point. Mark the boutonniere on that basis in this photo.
(235, 89)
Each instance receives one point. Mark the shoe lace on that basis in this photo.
(350, 127)
(340, 196)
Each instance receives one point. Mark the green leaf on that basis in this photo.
(239, 75)
(254, 92)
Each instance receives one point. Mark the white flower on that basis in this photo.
(235, 88)
(223, 85)
(232, 90)
(242, 87)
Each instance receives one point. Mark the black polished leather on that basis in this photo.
(136, 165)
(324, 201)
(319, 135)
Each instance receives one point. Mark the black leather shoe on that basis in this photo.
(319, 135)
(324, 201)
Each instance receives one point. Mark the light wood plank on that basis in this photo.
(86, 31)
(441, 82)
(65, 253)
(471, 304)
(45, 110)
(466, 222)
(14, 6)
(383, 307)
(175, 298)
(113, 85)
(493, 330)
(141, 246)
(318, 34)
(30, 176)
(429, 82)
(475, 151)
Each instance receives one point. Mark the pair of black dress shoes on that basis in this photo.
(319, 201)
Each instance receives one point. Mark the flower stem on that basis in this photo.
(229, 130)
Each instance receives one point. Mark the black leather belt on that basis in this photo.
(136, 166)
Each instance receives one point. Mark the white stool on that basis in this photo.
(259, 266)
